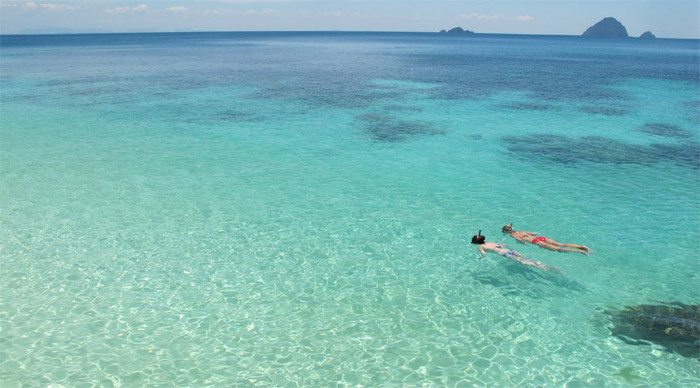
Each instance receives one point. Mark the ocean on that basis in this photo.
(296, 209)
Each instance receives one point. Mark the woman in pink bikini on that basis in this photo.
(544, 242)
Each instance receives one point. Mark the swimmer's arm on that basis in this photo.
(481, 250)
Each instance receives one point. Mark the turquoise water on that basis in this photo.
(296, 209)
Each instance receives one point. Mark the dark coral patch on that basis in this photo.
(675, 326)
(529, 106)
(665, 130)
(90, 91)
(597, 149)
(687, 154)
(239, 116)
(604, 110)
(403, 108)
(385, 128)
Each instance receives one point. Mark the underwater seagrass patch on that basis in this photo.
(402, 108)
(604, 110)
(674, 326)
(386, 128)
(240, 116)
(665, 130)
(533, 106)
(598, 149)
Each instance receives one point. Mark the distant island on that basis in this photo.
(456, 30)
(611, 28)
(607, 28)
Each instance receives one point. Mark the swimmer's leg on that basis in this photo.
(576, 247)
(565, 248)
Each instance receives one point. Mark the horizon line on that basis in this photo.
(307, 31)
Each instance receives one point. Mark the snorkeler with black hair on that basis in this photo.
(480, 241)
(543, 242)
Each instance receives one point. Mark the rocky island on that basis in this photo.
(456, 30)
(607, 28)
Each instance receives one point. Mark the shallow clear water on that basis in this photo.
(296, 208)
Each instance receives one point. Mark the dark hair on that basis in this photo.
(507, 228)
(478, 239)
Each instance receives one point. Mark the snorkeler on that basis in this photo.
(544, 242)
(506, 252)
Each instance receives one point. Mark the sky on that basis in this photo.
(665, 18)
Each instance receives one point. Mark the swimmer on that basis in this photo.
(544, 242)
(506, 252)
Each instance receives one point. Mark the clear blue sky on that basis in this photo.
(666, 18)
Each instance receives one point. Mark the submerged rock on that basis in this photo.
(647, 35)
(675, 326)
(607, 28)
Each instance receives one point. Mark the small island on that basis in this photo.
(607, 28)
(647, 35)
(456, 30)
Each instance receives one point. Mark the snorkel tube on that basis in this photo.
(478, 239)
